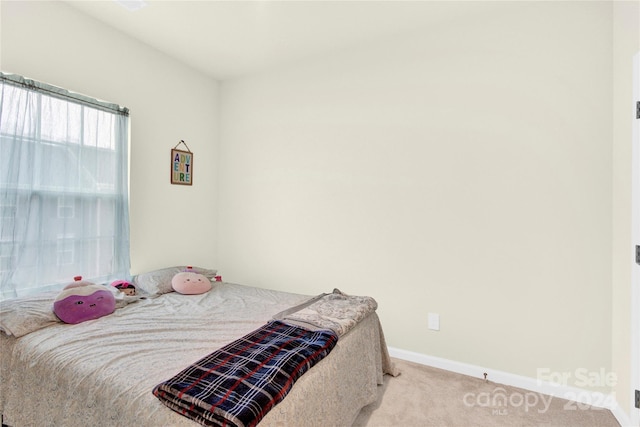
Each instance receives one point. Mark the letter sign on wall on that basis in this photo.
(181, 166)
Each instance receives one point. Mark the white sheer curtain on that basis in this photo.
(63, 188)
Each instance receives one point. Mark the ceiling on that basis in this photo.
(226, 39)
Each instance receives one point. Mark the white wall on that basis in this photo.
(52, 42)
(463, 169)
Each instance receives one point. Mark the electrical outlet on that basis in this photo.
(434, 321)
(638, 399)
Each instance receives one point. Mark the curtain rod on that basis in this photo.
(57, 92)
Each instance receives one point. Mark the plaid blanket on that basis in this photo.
(238, 384)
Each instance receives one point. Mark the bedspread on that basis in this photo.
(101, 372)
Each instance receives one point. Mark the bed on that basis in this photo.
(103, 371)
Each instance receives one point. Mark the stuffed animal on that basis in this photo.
(190, 283)
(81, 301)
(124, 287)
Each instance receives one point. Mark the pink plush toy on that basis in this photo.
(81, 301)
(124, 287)
(190, 283)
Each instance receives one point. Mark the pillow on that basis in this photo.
(21, 316)
(81, 301)
(158, 282)
(190, 283)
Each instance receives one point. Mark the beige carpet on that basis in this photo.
(425, 396)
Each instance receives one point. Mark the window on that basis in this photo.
(63, 188)
(66, 207)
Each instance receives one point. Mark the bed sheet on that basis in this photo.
(102, 372)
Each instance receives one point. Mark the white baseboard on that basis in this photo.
(580, 396)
